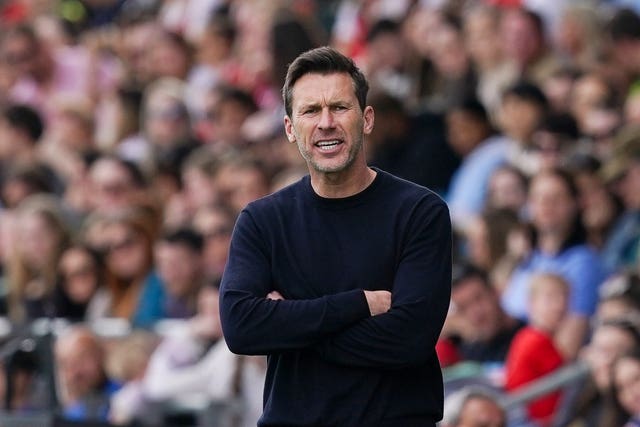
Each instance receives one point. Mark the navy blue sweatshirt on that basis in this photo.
(330, 362)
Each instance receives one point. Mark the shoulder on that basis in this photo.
(399, 188)
(279, 199)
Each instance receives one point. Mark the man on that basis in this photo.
(342, 278)
(85, 388)
(474, 406)
(179, 261)
(476, 322)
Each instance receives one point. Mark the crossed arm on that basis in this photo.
(356, 328)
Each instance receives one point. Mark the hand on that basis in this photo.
(275, 295)
(379, 301)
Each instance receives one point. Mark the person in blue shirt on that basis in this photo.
(342, 278)
(559, 248)
(85, 390)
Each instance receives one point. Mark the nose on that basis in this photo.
(326, 119)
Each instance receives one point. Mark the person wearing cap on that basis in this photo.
(622, 172)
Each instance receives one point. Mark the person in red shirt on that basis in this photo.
(533, 352)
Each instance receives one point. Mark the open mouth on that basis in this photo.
(328, 145)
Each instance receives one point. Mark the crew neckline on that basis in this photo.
(345, 202)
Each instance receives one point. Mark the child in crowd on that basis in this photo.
(533, 352)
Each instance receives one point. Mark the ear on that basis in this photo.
(369, 118)
(288, 129)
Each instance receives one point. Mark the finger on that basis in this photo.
(274, 295)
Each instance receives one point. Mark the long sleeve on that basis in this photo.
(407, 333)
(253, 324)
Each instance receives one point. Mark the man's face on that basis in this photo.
(80, 365)
(481, 412)
(478, 307)
(327, 123)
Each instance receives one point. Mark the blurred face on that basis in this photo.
(79, 275)
(80, 365)
(20, 55)
(481, 412)
(112, 186)
(179, 267)
(327, 123)
(613, 308)
(216, 229)
(464, 132)
(552, 206)
(478, 305)
(167, 58)
(506, 190)
(241, 185)
(478, 243)
(547, 305)
(520, 39)
(37, 241)
(626, 377)
(629, 185)
(127, 252)
(165, 120)
(481, 38)
(228, 120)
(588, 93)
(199, 188)
(387, 51)
(448, 52)
(518, 118)
(607, 344)
(596, 203)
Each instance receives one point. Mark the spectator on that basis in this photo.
(80, 278)
(232, 106)
(386, 59)
(179, 262)
(41, 235)
(20, 130)
(487, 238)
(85, 387)
(115, 184)
(240, 180)
(624, 29)
(134, 290)
(482, 41)
(523, 106)
(508, 188)
(472, 137)
(622, 172)
(626, 385)
(198, 362)
(473, 406)
(524, 43)
(215, 223)
(412, 147)
(533, 352)
(127, 362)
(553, 140)
(560, 248)
(476, 324)
(619, 296)
(593, 403)
(599, 208)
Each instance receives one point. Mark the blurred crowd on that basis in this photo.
(133, 132)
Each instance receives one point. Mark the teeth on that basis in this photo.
(326, 145)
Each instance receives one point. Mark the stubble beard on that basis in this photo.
(316, 166)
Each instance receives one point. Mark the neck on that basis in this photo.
(341, 184)
(550, 242)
